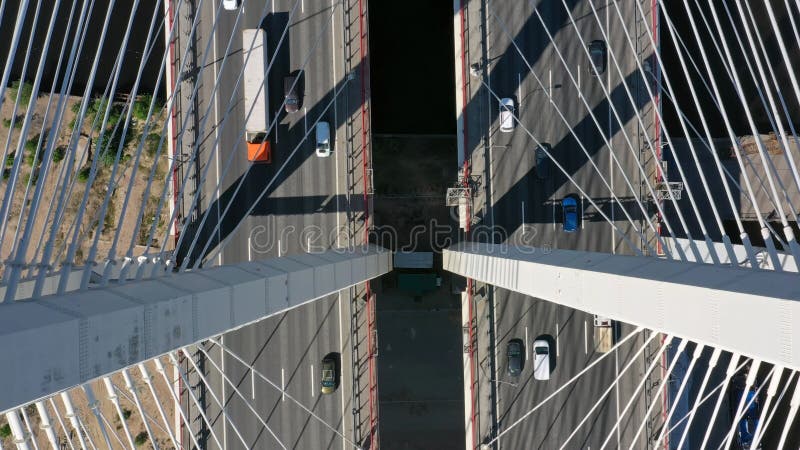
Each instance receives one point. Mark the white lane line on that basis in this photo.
(216, 139)
(519, 94)
(312, 380)
(283, 385)
(556, 339)
(579, 77)
(279, 248)
(526, 343)
(585, 340)
(249, 249)
(554, 214)
(273, 6)
(523, 217)
(302, 6)
(305, 120)
(583, 222)
(550, 86)
(616, 383)
(252, 384)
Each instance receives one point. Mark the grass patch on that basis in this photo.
(10, 160)
(59, 153)
(23, 89)
(126, 413)
(7, 123)
(141, 107)
(6, 174)
(83, 174)
(140, 439)
(5, 431)
(32, 177)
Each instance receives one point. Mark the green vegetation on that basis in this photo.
(32, 177)
(10, 160)
(141, 106)
(76, 107)
(83, 174)
(24, 89)
(5, 431)
(59, 153)
(151, 144)
(140, 439)
(6, 174)
(7, 123)
(126, 413)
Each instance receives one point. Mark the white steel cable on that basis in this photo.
(732, 203)
(744, 405)
(183, 126)
(137, 401)
(91, 258)
(657, 111)
(281, 390)
(578, 140)
(629, 143)
(11, 183)
(73, 419)
(698, 351)
(149, 382)
(111, 256)
(664, 377)
(794, 403)
(194, 399)
(221, 403)
(770, 106)
(614, 385)
(18, 26)
(177, 402)
(70, 257)
(29, 431)
(93, 405)
(633, 246)
(47, 426)
(790, 238)
(562, 387)
(771, 391)
(712, 363)
(273, 124)
(247, 402)
(656, 361)
(730, 371)
(215, 146)
(112, 395)
(736, 146)
(224, 242)
(57, 413)
(17, 432)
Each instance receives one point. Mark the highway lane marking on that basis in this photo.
(523, 217)
(585, 340)
(216, 139)
(283, 386)
(249, 249)
(273, 6)
(583, 222)
(554, 214)
(312, 380)
(252, 384)
(302, 6)
(335, 128)
(519, 94)
(305, 120)
(526, 343)
(616, 383)
(579, 77)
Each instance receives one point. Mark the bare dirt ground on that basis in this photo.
(114, 224)
(72, 237)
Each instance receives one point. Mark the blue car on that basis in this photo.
(569, 207)
(746, 428)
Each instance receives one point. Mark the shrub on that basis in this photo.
(126, 413)
(83, 174)
(30, 158)
(5, 431)
(24, 89)
(59, 153)
(76, 107)
(141, 106)
(31, 177)
(140, 438)
(6, 174)
(31, 144)
(10, 160)
(7, 123)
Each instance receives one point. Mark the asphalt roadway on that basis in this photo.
(299, 203)
(519, 207)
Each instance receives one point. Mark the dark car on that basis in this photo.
(569, 209)
(290, 89)
(599, 56)
(543, 161)
(514, 352)
(748, 422)
(329, 376)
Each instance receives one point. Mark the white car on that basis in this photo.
(541, 360)
(230, 5)
(323, 139)
(506, 115)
